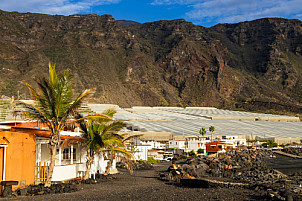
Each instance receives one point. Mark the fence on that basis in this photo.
(41, 172)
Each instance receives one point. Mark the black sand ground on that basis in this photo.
(145, 185)
(284, 164)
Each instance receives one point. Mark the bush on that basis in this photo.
(270, 144)
(200, 151)
(192, 154)
(151, 160)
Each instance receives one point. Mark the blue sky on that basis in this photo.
(200, 12)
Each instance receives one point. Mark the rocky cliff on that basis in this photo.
(253, 65)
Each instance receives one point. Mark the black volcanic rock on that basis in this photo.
(251, 65)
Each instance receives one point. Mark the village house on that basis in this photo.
(154, 143)
(17, 157)
(140, 151)
(233, 141)
(195, 143)
(177, 144)
(216, 147)
(156, 154)
(25, 141)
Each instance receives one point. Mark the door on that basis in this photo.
(1, 167)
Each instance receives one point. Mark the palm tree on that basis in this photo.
(212, 129)
(54, 105)
(202, 131)
(101, 136)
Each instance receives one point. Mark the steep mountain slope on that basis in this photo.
(252, 65)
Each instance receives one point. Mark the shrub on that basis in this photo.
(270, 144)
(192, 154)
(200, 151)
(152, 160)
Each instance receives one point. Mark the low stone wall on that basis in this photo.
(208, 183)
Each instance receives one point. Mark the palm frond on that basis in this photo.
(114, 127)
(68, 142)
(33, 112)
(124, 152)
(97, 116)
(132, 136)
(76, 104)
(109, 112)
(53, 78)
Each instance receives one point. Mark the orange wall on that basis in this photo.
(213, 149)
(20, 157)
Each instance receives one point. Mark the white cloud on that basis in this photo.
(61, 7)
(170, 2)
(229, 11)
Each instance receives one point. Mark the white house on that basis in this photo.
(70, 159)
(154, 144)
(195, 143)
(177, 144)
(140, 152)
(233, 141)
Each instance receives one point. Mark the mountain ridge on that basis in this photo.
(253, 65)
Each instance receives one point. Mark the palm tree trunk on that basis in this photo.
(110, 163)
(88, 165)
(51, 165)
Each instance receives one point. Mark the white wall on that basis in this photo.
(177, 144)
(64, 172)
(67, 171)
(141, 152)
(195, 145)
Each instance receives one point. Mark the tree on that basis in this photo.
(100, 135)
(270, 143)
(212, 129)
(54, 105)
(202, 131)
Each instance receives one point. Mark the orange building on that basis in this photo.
(17, 157)
(216, 147)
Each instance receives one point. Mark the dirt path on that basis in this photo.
(144, 185)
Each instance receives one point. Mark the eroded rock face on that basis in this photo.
(252, 65)
(248, 167)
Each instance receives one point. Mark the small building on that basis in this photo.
(195, 143)
(17, 158)
(156, 154)
(216, 147)
(233, 141)
(140, 152)
(29, 161)
(154, 143)
(177, 144)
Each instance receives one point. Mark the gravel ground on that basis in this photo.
(145, 185)
(285, 164)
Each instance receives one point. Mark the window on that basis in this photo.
(66, 154)
(74, 154)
